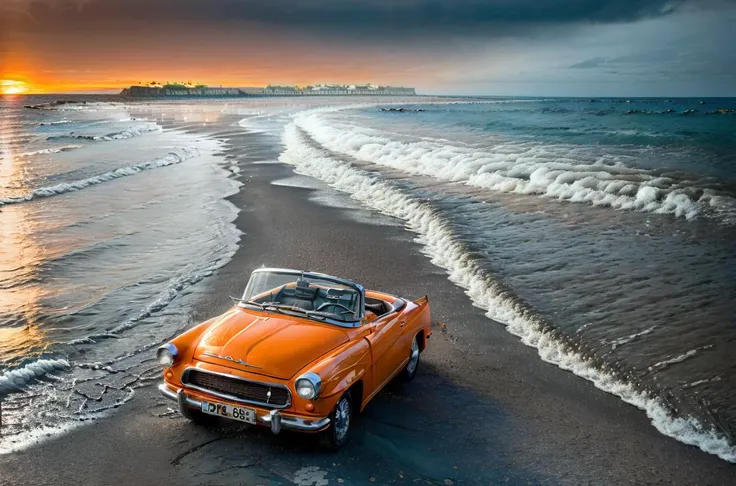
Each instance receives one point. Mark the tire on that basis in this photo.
(341, 419)
(410, 370)
(196, 416)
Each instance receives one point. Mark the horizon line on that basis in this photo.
(114, 92)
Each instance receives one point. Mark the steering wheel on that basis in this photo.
(335, 304)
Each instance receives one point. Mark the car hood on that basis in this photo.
(273, 345)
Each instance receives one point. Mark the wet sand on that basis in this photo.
(484, 409)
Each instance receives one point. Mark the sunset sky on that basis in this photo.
(504, 47)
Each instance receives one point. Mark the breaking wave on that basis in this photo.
(60, 122)
(171, 158)
(18, 379)
(54, 150)
(485, 292)
(121, 135)
(564, 172)
(71, 105)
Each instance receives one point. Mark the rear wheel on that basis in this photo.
(340, 421)
(410, 370)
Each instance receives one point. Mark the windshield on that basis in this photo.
(314, 296)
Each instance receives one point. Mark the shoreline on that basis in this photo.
(556, 428)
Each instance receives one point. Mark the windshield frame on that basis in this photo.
(316, 276)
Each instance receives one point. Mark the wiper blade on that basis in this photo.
(286, 307)
(325, 315)
(257, 304)
(281, 307)
(241, 301)
(273, 306)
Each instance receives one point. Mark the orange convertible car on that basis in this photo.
(301, 351)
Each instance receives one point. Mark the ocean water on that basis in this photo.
(601, 232)
(107, 221)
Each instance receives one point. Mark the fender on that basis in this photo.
(186, 344)
(343, 367)
(424, 316)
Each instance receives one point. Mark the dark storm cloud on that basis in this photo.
(391, 18)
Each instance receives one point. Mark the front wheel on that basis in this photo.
(410, 370)
(191, 414)
(196, 416)
(340, 420)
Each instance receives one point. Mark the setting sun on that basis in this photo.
(11, 87)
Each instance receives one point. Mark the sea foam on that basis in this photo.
(131, 132)
(440, 245)
(564, 172)
(174, 157)
(54, 150)
(18, 379)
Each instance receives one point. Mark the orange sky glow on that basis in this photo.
(99, 77)
(70, 63)
(611, 47)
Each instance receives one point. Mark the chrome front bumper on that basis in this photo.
(273, 419)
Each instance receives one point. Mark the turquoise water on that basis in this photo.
(602, 232)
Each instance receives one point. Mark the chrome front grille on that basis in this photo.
(238, 389)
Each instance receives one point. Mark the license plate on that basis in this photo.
(247, 415)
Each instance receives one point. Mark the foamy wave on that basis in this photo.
(65, 403)
(60, 122)
(627, 339)
(54, 150)
(678, 359)
(71, 105)
(702, 382)
(569, 173)
(171, 158)
(131, 132)
(251, 126)
(445, 252)
(18, 379)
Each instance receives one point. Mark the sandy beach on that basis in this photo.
(484, 409)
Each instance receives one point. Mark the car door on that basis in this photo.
(387, 351)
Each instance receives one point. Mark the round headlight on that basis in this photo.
(305, 389)
(308, 385)
(166, 355)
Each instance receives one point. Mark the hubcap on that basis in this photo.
(413, 358)
(342, 418)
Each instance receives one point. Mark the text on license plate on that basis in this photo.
(247, 415)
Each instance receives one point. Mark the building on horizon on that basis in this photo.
(177, 90)
(339, 90)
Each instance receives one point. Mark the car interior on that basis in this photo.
(340, 301)
(381, 307)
